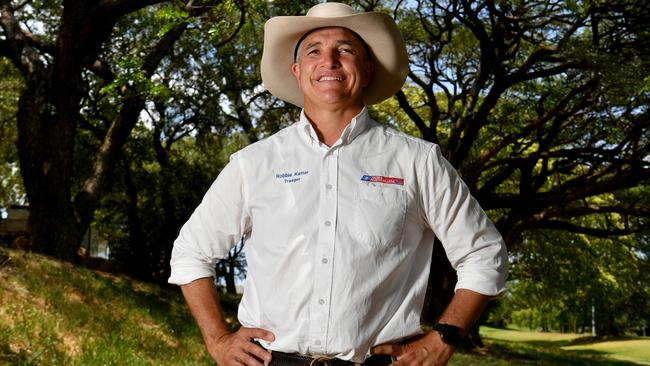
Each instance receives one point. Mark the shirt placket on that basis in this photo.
(322, 296)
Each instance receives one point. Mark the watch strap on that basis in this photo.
(449, 334)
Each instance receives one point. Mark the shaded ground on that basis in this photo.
(54, 313)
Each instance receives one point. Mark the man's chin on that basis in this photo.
(334, 97)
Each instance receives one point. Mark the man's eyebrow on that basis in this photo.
(345, 42)
(312, 44)
(338, 43)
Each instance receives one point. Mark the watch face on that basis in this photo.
(450, 334)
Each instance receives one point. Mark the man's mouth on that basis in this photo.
(331, 78)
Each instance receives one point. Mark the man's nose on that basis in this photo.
(331, 58)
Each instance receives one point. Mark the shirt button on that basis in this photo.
(321, 302)
(324, 260)
(317, 342)
(328, 223)
(328, 186)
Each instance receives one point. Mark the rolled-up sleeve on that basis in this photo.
(214, 227)
(472, 243)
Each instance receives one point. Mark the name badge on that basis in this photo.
(291, 177)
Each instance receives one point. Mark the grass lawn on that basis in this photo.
(515, 347)
(53, 313)
(636, 350)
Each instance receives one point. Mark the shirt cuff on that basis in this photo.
(485, 281)
(182, 275)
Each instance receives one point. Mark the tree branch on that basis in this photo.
(108, 153)
(5, 49)
(558, 113)
(16, 45)
(96, 131)
(123, 7)
(462, 134)
(242, 20)
(417, 120)
(431, 101)
(566, 226)
(23, 4)
(102, 70)
(575, 189)
(40, 43)
(590, 209)
(164, 45)
(473, 124)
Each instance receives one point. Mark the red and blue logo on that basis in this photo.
(382, 179)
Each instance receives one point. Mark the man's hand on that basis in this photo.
(237, 349)
(427, 349)
(227, 348)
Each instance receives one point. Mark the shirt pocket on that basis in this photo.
(379, 215)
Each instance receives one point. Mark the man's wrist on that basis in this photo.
(449, 334)
(216, 335)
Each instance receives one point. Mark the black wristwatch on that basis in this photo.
(449, 334)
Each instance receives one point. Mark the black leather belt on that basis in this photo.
(294, 359)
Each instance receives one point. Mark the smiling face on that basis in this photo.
(332, 69)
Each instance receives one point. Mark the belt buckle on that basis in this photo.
(321, 361)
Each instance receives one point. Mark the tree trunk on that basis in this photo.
(230, 275)
(473, 339)
(48, 113)
(137, 260)
(170, 226)
(45, 145)
(440, 290)
(47, 119)
(168, 231)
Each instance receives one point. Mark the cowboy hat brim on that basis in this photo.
(378, 30)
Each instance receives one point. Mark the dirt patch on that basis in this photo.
(71, 344)
(74, 296)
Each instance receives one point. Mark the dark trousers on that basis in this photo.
(292, 359)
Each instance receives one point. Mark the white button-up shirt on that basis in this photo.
(339, 239)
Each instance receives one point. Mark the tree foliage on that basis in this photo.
(531, 107)
(560, 279)
(128, 110)
(11, 188)
(541, 108)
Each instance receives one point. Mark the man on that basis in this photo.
(339, 214)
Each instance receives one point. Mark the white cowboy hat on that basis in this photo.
(378, 30)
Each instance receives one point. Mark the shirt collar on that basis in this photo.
(306, 128)
(357, 125)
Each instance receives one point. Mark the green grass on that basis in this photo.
(515, 347)
(53, 313)
(636, 350)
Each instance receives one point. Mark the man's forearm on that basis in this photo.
(203, 300)
(226, 347)
(464, 309)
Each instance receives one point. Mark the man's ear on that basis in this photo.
(295, 70)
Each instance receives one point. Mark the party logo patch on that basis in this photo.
(382, 179)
